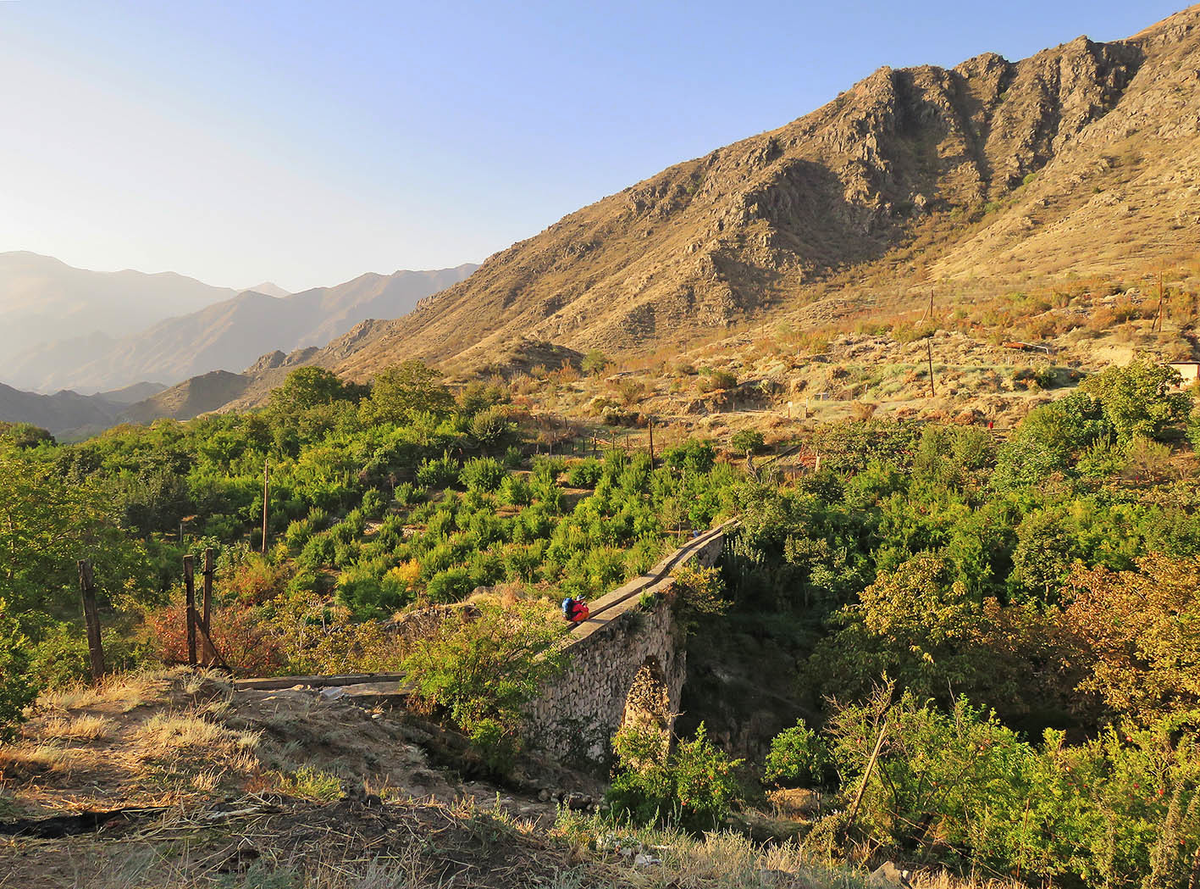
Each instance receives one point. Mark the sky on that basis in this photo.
(306, 143)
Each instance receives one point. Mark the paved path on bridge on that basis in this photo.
(624, 598)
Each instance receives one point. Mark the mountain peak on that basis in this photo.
(269, 289)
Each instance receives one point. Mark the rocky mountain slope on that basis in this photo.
(1080, 160)
(228, 335)
(43, 299)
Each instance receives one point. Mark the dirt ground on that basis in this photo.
(166, 779)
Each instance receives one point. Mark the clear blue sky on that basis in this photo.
(307, 143)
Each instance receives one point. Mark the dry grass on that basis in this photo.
(22, 760)
(87, 727)
(168, 733)
(120, 694)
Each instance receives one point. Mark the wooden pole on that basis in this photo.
(651, 443)
(266, 494)
(87, 588)
(189, 586)
(853, 813)
(206, 608)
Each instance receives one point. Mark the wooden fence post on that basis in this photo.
(189, 585)
(206, 609)
(87, 588)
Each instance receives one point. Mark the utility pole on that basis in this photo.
(266, 494)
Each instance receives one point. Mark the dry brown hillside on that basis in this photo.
(1079, 159)
(1079, 162)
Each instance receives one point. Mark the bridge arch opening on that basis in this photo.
(648, 703)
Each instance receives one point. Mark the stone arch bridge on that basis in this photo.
(625, 662)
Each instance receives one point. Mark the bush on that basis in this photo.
(514, 491)
(407, 494)
(245, 641)
(368, 596)
(711, 380)
(486, 667)
(748, 440)
(439, 473)
(496, 744)
(491, 428)
(482, 474)
(585, 474)
(594, 363)
(693, 787)
(798, 758)
(1137, 399)
(450, 585)
(61, 656)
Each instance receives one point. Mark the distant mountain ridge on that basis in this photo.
(228, 335)
(43, 299)
(68, 413)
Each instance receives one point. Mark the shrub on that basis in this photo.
(514, 491)
(496, 744)
(243, 639)
(368, 596)
(594, 363)
(439, 473)
(482, 474)
(798, 758)
(585, 474)
(406, 494)
(1137, 399)
(450, 585)
(749, 440)
(61, 657)
(491, 427)
(488, 666)
(712, 380)
(697, 591)
(693, 786)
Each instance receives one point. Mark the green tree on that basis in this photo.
(306, 388)
(749, 440)
(594, 362)
(693, 785)
(1138, 399)
(17, 690)
(46, 525)
(403, 390)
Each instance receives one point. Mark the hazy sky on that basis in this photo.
(307, 143)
